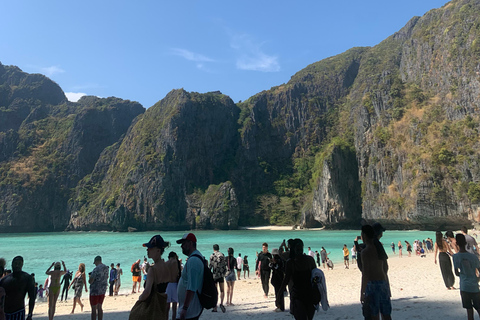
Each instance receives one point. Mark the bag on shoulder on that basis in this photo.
(209, 295)
(154, 307)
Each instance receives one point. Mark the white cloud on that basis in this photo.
(74, 96)
(191, 56)
(251, 56)
(50, 71)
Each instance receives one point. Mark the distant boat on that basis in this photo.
(131, 229)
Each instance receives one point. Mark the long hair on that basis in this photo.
(439, 239)
(81, 267)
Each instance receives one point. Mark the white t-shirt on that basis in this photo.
(311, 253)
(239, 262)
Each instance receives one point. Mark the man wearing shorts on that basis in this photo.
(98, 286)
(218, 265)
(136, 276)
(466, 264)
(375, 292)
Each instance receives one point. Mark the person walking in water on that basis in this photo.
(443, 250)
(55, 286)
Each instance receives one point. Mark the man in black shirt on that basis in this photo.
(263, 259)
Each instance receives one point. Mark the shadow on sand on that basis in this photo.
(405, 308)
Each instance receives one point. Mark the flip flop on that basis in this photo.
(223, 308)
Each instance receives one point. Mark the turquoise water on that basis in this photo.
(39, 250)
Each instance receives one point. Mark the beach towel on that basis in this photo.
(322, 287)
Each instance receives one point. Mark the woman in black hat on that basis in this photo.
(158, 276)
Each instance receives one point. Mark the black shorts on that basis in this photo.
(219, 280)
(470, 300)
(345, 258)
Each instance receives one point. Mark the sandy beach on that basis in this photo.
(417, 288)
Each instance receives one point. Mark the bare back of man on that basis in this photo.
(17, 285)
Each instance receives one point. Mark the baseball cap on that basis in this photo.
(189, 237)
(97, 258)
(275, 251)
(377, 227)
(155, 241)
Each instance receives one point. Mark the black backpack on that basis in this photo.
(209, 295)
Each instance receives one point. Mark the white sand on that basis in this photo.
(418, 292)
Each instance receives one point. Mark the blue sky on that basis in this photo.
(140, 50)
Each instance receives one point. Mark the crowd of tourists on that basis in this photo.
(186, 289)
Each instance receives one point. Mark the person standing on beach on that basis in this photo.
(66, 284)
(239, 265)
(16, 285)
(118, 281)
(444, 252)
(98, 286)
(393, 247)
(246, 268)
(346, 255)
(262, 268)
(399, 245)
(79, 281)
(218, 266)
(324, 254)
(299, 269)
(466, 265)
(172, 294)
(145, 265)
(278, 273)
(230, 276)
(112, 279)
(375, 289)
(409, 248)
(55, 286)
(191, 280)
(159, 275)
(317, 256)
(452, 243)
(311, 253)
(136, 276)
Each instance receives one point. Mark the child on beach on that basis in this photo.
(466, 264)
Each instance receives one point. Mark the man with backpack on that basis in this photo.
(218, 265)
(191, 280)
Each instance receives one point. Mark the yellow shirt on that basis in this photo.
(345, 252)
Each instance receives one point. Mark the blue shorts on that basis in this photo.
(377, 299)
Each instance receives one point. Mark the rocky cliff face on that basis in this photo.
(47, 146)
(385, 133)
(164, 170)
